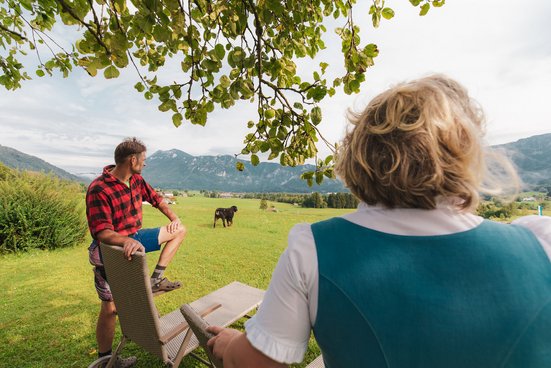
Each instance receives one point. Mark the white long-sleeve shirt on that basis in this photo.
(281, 328)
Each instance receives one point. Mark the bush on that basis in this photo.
(263, 204)
(39, 211)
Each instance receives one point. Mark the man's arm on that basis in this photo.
(129, 245)
(174, 220)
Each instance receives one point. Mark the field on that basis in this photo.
(48, 304)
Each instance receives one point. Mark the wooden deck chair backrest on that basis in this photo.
(131, 288)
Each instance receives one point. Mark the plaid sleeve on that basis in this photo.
(98, 212)
(149, 194)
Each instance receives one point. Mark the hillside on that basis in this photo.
(532, 157)
(19, 160)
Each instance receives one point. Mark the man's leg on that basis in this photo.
(105, 328)
(173, 241)
(152, 240)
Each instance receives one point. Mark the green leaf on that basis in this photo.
(210, 65)
(26, 4)
(376, 19)
(269, 114)
(255, 160)
(388, 13)
(168, 105)
(177, 119)
(209, 106)
(415, 2)
(424, 9)
(220, 51)
(139, 87)
(316, 115)
(225, 81)
(319, 177)
(40, 72)
(371, 50)
(111, 72)
(318, 93)
(239, 166)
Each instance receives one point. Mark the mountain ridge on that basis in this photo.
(18, 160)
(218, 173)
(176, 169)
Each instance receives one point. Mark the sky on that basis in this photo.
(499, 50)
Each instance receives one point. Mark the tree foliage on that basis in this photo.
(314, 200)
(227, 50)
(263, 204)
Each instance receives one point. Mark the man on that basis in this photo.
(114, 213)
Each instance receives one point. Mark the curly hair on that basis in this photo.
(414, 143)
(127, 148)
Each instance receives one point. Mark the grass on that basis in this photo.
(48, 304)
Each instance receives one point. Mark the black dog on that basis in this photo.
(226, 214)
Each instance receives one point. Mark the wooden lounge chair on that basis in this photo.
(168, 337)
(198, 325)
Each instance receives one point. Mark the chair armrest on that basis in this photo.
(179, 328)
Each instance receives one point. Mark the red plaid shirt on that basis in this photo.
(112, 205)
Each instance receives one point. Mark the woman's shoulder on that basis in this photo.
(540, 225)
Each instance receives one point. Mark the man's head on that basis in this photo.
(131, 152)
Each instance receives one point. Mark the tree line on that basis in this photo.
(313, 200)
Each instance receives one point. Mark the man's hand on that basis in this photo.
(173, 226)
(132, 246)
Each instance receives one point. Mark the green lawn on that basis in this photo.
(48, 304)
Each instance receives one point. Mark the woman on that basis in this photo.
(412, 278)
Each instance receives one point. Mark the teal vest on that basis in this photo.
(475, 299)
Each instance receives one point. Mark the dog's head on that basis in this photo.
(234, 208)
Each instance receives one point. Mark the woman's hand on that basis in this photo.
(233, 348)
(220, 342)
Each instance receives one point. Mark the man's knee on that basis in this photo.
(177, 236)
(181, 232)
(108, 309)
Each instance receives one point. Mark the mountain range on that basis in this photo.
(175, 169)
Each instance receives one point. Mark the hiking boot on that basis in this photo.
(163, 284)
(122, 362)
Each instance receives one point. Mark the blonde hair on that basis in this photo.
(415, 143)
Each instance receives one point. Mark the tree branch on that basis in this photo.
(96, 20)
(13, 32)
(68, 9)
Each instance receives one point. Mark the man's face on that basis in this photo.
(137, 163)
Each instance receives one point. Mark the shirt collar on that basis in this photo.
(110, 177)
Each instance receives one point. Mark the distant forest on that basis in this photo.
(314, 200)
